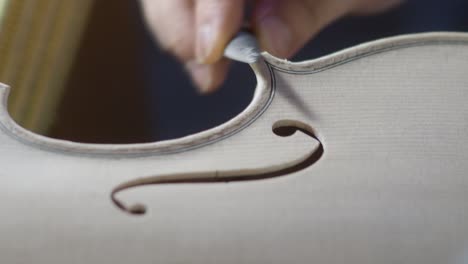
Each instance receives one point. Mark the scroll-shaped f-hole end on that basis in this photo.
(134, 209)
(283, 128)
(287, 128)
(137, 209)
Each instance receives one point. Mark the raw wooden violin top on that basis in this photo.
(356, 157)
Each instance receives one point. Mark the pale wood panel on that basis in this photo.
(390, 187)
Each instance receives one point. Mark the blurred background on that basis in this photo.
(89, 71)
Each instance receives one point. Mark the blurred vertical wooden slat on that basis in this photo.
(104, 102)
(37, 47)
(63, 40)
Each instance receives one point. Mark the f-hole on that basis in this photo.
(283, 128)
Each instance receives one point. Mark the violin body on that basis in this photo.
(356, 157)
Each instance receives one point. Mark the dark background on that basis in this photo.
(123, 89)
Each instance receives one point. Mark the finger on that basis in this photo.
(208, 77)
(283, 27)
(172, 23)
(217, 21)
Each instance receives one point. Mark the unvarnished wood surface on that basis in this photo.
(391, 186)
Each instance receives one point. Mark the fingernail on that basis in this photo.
(202, 76)
(275, 36)
(206, 41)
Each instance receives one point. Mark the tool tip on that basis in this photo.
(243, 48)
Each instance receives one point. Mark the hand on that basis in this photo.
(197, 31)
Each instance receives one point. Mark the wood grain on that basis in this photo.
(390, 187)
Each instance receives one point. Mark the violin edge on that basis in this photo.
(263, 96)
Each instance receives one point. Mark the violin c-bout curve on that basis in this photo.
(263, 96)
